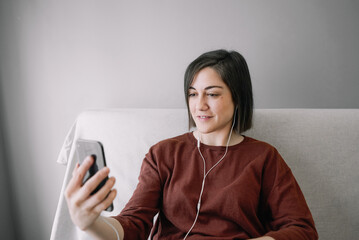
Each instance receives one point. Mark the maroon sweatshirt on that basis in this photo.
(251, 193)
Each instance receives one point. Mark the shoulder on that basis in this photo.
(180, 139)
(271, 166)
(183, 138)
(172, 144)
(255, 146)
(265, 154)
(165, 153)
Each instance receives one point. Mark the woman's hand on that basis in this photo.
(85, 208)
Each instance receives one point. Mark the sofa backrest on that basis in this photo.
(320, 146)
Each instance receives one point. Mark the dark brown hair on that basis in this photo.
(232, 68)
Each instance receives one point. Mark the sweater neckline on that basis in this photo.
(215, 148)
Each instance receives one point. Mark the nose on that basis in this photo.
(201, 104)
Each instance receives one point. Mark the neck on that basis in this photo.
(215, 139)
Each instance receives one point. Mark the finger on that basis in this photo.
(82, 169)
(71, 186)
(93, 182)
(75, 169)
(78, 175)
(85, 165)
(100, 195)
(107, 202)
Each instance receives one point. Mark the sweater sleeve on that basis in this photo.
(137, 216)
(288, 215)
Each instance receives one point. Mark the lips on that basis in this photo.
(204, 117)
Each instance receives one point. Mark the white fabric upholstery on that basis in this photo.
(321, 147)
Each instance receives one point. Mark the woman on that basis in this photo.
(212, 183)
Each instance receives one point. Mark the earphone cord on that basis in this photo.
(108, 223)
(205, 175)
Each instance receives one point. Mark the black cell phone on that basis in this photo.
(92, 148)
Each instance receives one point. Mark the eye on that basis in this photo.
(192, 94)
(213, 94)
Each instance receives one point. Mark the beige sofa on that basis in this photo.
(320, 145)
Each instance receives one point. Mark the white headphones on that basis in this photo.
(204, 169)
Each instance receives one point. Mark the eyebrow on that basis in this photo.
(207, 88)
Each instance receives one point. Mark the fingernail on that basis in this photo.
(105, 170)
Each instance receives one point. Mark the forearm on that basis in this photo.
(101, 229)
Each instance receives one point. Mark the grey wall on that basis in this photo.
(61, 57)
(7, 230)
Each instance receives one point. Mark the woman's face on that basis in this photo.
(210, 102)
